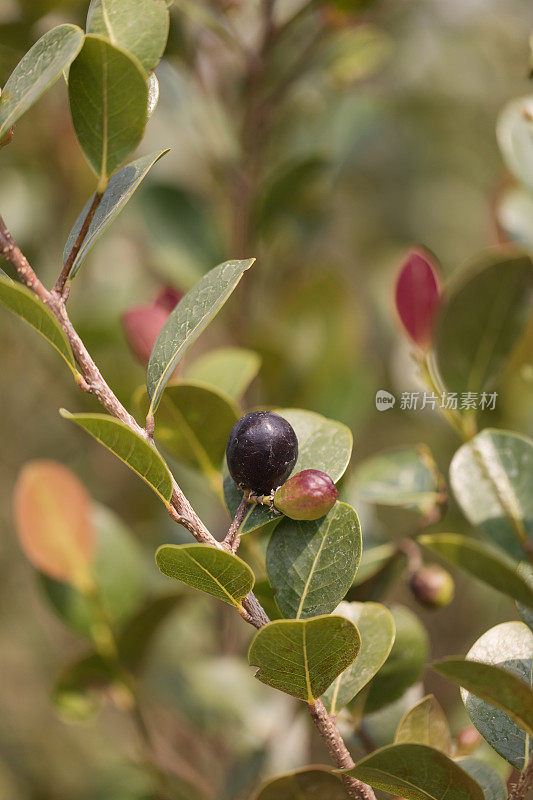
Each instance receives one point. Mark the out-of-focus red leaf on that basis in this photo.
(418, 296)
(142, 324)
(53, 520)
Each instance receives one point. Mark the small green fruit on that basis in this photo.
(307, 495)
(432, 586)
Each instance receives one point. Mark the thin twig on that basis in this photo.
(233, 538)
(180, 508)
(524, 783)
(65, 272)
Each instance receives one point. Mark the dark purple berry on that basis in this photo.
(307, 495)
(262, 451)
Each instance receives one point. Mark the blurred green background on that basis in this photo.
(356, 135)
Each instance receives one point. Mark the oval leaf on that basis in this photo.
(229, 369)
(375, 624)
(425, 723)
(323, 444)
(22, 302)
(485, 563)
(101, 77)
(402, 477)
(508, 646)
(53, 519)
(311, 565)
(137, 453)
(472, 349)
(138, 26)
(192, 314)
(492, 480)
(417, 297)
(416, 772)
(303, 657)
(311, 783)
(487, 777)
(213, 571)
(119, 190)
(37, 71)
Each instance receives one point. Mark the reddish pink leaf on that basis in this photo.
(53, 519)
(142, 324)
(418, 296)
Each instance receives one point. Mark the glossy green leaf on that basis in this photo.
(483, 562)
(311, 783)
(22, 302)
(119, 190)
(303, 657)
(213, 571)
(323, 444)
(405, 663)
(37, 71)
(375, 624)
(402, 477)
(473, 349)
(492, 480)
(190, 317)
(487, 777)
(229, 369)
(108, 101)
(193, 424)
(119, 572)
(137, 453)
(425, 723)
(515, 137)
(416, 772)
(508, 646)
(153, 95)
(311, 565)
(139, 26)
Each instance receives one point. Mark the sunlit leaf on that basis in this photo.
(37, 71)
(137, 453)
(192, 314)
(303, 657)
(311, 783)
(213, 571)
(425, 723)
(229, 369)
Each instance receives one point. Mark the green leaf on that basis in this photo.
(108, 101)
(137, 453)
(323, 444)
(492, 480)
(375, 623)
(119, 190)
(119, 573)
(193, 424)
(526, 573)
(190, 317)
(139, 26)
(153, 95)
(416, 772)
(311, 565)
(37, 71)
(229, 369)
(78, 692)
(303, 657)
(515, 137)
(403, 477)
(487, 777)
(373, 560)
(472, 349)
(213, 571)
(405, 664)
(483, 562)
(425, 723)
(136, 637)
(22, 302)
(311, 783)
(508, 646)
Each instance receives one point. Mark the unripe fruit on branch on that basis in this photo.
(262, 451)
(418, 297)
(432, 586)
(307, 495)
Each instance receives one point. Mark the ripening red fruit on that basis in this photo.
(309, 494)
(418, 297)
(142, 324)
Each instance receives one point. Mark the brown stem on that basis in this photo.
(233, 539)
(180, 509)
(65, 272)
(524, 783)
